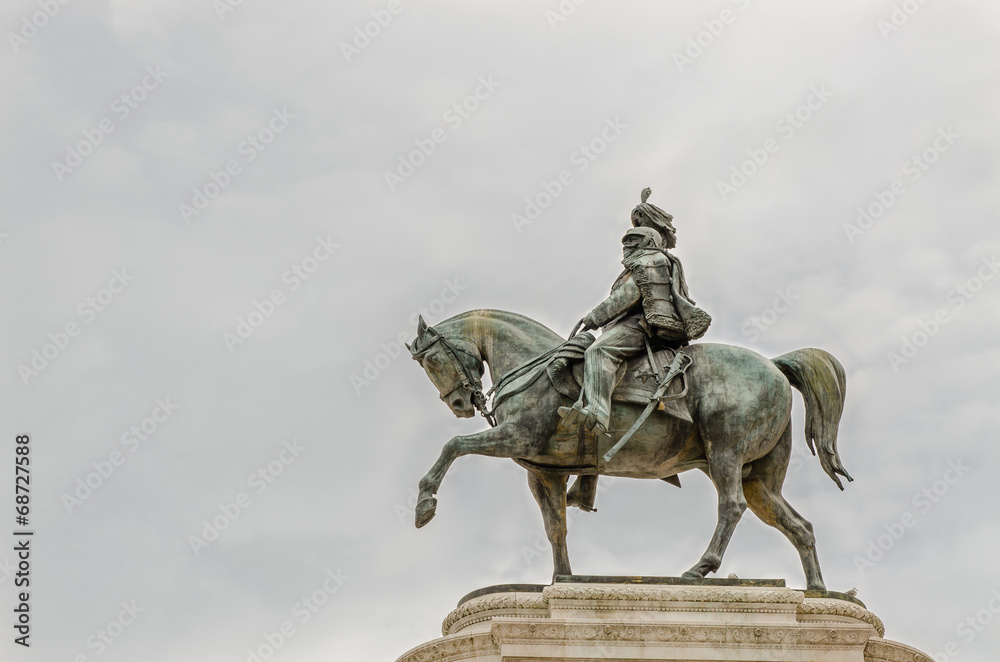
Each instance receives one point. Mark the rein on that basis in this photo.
(480, 400)
(465, 377)
(545, 357)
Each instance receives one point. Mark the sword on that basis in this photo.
(675, 369)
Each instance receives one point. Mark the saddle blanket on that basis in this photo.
(635, 381)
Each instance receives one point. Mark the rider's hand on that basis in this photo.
(589, 323)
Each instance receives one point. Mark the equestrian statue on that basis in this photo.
(640, 401)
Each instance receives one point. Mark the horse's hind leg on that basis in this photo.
(550, 493)
(726, 473)
(762, 488)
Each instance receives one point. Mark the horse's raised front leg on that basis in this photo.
(504, 440)
(726, 473)
(549, 491)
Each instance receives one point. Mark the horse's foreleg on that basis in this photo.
(550, 492)
(726, 473)
(501, 441)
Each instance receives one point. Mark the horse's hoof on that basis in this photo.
(426, 508)
(690, 574)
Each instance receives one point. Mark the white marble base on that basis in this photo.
(680, 623)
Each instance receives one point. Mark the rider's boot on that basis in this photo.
(590, 416)
(573, 416)
(597, 420)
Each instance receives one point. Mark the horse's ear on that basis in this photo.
(421, 326)
(413, 354)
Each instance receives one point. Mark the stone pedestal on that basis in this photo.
(637, 618)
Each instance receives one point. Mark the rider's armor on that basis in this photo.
(656, 281)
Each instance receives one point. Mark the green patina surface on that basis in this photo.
(735, 426)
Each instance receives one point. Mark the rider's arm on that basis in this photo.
(622, 299)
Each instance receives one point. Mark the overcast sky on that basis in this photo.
(175, 172)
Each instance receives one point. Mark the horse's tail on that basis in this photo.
(820, 378)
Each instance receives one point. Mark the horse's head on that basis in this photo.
(454, 366)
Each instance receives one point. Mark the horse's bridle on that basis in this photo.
(465, 377)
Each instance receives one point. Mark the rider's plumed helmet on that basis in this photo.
(650, 238)
(649, 215)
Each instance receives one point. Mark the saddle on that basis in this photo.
(635, 382)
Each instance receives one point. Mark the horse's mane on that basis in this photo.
(530, 327)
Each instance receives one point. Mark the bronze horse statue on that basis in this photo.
(740, 404)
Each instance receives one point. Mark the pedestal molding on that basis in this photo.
(452, 649)
(564, 633)
(661, 622)
(884, 650)
(501, 603)
(841, 608)
(645, 593)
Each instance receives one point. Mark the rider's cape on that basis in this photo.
(655, 279)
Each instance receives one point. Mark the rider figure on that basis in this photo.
(649, 300)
